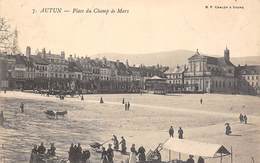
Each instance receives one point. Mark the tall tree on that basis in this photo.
(6, 36)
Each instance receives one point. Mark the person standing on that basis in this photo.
(171, 131)
(41, 149)
(82, 98)
(128, 106)
(133, 154)
(245, 119)
(190, 159)
(228, 129)
(123, 102)
(71, 153)
(115, 142)
(22, 107)
(101, 100)
(78, 152)
(123, 145)
(201, 101)
(241, 118)
(180, 132)
(52, 150)
(200, 160)
(110, 154)
(104, 156)
(85, 156)
(141, 154)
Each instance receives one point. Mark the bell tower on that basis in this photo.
(226, 55)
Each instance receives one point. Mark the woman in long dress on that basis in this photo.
(133, 154)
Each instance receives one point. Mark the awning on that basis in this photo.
(195, 148)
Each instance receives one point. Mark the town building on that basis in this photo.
(210, 74)
(175, 79)
(249, 79)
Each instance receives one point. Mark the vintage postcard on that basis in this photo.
(129, 81)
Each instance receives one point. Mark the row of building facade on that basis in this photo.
(46, 70)
(202, 74)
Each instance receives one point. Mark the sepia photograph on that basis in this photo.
(129, 81)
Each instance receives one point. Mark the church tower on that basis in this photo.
(226, 55)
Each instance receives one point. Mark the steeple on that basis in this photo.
(226, 55)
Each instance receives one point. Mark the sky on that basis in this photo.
(149, 26)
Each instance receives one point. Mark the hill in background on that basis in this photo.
(169, 58)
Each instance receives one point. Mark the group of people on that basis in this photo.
(191, 160)
(116, 144)
(243, 118)
(180, 132)
(76, 155)
(107, 156)
(42, 150)
(127, 105)
(140, 153)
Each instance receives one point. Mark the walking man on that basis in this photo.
(245, 119)
(128, 106)
(241, 118)
(180, 132)
(171, 131)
